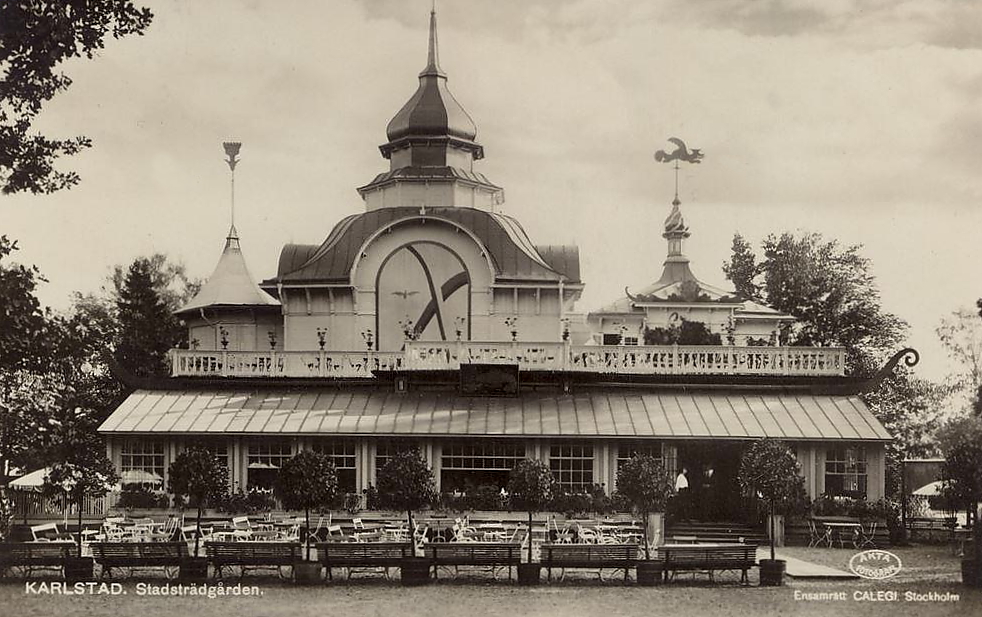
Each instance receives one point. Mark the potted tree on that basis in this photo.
(79, 469)
(530, 488)
(644, 483)
(406, 483)
(770, 471)
(308, 480)
(197, 476)
(961, 444)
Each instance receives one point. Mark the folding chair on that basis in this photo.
(867, 535)
(357, 523)
(319, 533)
(816, 537)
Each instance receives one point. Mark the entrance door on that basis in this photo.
(714, 491)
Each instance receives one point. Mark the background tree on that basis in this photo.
(35, 38)
(770, 471)
(308, 480)
(79, 466)
(827, 288)
(147, 327)
(961, 444)
(531, 486)
(961, 334)
(197, 475)
(405, 482)
(644, 482)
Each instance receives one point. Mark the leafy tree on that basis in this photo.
(531, 486)
(770, 471)
(686, 332)
(961, 444)
(644, 482)
(29, 403)
(961, 334)
(78, 461)
(828, 289)
(36, 37)
(405, 482)
(147, 329)
(197, 475)
(22, 321)
(308, 480)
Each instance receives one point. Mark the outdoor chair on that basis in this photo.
(49, 532)
(816, 537)
(357, 523)
(588, 536)
(241, 527)
(320, 531)
(867, 535)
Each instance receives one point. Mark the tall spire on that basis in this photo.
(232, 153)
(433, 55)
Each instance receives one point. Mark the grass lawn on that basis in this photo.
(926, 569)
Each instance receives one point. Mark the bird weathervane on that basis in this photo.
(681, 153)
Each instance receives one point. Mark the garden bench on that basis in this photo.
(31, 556)
(252, 556)
(593, 556)
(708, 558)
(352, 555)
(138, 555)
(492, 555)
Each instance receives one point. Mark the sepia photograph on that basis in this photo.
(541, 307)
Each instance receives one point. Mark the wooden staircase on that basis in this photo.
(722, 531)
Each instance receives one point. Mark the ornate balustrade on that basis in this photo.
(547, 356)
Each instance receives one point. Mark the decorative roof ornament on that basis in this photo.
(232, 153)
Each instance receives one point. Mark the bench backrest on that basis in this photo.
(252, 550)
(139, 550)
(27, 551)
(337, 552)
(472, 552)
(696, 554)
(589, 552)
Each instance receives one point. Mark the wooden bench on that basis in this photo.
(31, 556)
(492, 555)
(352, 555)
(252, 556)
(709, 558)
(138, 555)
(593, 556)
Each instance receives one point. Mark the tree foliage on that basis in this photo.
(961, 334)
(308, 480)
(644, 482)
(405, 482)
(22, 321)
(36, 36)
(961, 444)
(769, 469)
(828, 288)
(147, 328)
(531, 486)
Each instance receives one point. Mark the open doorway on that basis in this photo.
(711, 468)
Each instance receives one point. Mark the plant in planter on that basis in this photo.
(197, 476)
(770, 471)
(530, 488)
(644, 483)
(307, 481)
(961, 444)
(79, 468)
(406, 483)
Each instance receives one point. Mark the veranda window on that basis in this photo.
(846, 472)
(469, 464)
(342, 454)
(264, 461)
(142, 463)
(627, 449)
(572, 466)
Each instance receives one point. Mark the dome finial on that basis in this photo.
(433, 55)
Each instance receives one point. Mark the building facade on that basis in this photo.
(432, 321)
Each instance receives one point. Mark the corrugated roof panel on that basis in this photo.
(599, 413)
(764, 416)
(731, 423)
(780, 413)
(859, 425)
(746, 416)
(706, 411)
(697, 425)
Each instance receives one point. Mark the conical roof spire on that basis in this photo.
(433, 55)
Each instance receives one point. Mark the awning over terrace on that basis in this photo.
(588, 414)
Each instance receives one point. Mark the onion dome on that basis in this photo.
(432, 111)
(675, 224)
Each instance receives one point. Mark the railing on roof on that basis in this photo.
(549, 356)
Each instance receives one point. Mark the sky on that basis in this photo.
(860, 120)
